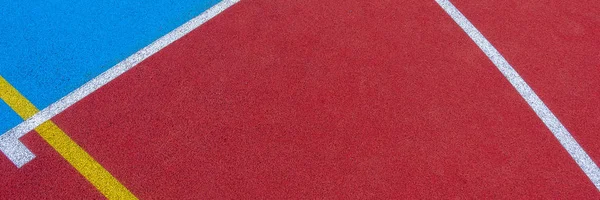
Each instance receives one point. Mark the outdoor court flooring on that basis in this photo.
(380, 99)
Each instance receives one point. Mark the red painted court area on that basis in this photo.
(341, 100)
(554, 46)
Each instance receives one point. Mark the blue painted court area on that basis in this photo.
(49, 48)
(8, 118)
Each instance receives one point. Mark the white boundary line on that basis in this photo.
(543, 112)
(20, 155)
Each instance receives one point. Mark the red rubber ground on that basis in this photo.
(319, 99)
(555, 46)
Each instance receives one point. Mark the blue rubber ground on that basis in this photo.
(8, 118)
(49, 48)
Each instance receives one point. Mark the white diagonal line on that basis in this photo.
(543, 112)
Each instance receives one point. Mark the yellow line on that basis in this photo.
(108, 185)
(15, 100)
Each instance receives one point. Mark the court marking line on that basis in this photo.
(543, 112)
(97, 175)
(14, 150)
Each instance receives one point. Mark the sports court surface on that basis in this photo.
(311, 99)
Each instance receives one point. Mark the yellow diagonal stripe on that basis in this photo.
(108, 185)
(83, 162)
(15, 100)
